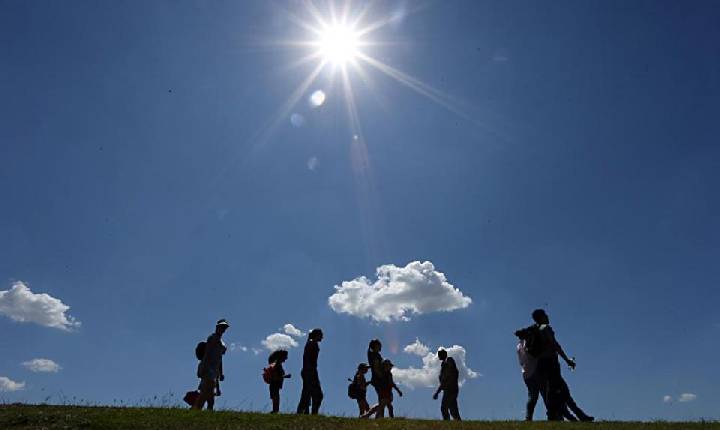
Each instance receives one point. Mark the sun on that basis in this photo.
(338, 44)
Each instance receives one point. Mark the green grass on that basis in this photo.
(76, 417)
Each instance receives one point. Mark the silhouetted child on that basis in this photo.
(361, 384)
(386, 384)
(277, 377)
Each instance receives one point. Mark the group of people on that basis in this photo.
(537, 350)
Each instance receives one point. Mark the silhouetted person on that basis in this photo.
(375, 361)
(541, 344)
(449, 385)
(278, 376)
(385, 385)
(361, 388)
(311, 390)
(210, 370)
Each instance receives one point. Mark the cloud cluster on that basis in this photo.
(22, 305)
(398, 293)
(42, 365)
(292, 330)
(8, 385)
(282, 340)
(682, 398)
(427, 376)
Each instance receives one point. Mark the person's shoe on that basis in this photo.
(587, 419)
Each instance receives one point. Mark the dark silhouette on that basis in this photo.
(375, 361)
(277, 377)
(311, 389)
(358, 389)
(449, 385)
(539, 344)
(385, 384)
(210, 370)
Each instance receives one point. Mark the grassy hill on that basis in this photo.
(76, 417)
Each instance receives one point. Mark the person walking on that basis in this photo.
(375, 361)
(277, 377)
(360, 388)
(528, 363)
(385, 392)
(311, 389)
(210, 370)
(449, 385)
(546, 348)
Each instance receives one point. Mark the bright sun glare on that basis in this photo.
(338, 44)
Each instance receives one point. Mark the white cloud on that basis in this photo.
(417, 348)
(292, 330)
(7, 385)
(398, 293)
(256, 351)
(687, 397)
(237, 347)
(20, 304)
(312, 163)
(42, 365)
(427, 376)
(279, 341)
(667, 399)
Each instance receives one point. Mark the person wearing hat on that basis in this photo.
(210, 369)
(311, 389)
(361, 388)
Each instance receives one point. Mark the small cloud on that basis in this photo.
(398, 293)
(279, 341)
(256, 351)
(427, 376)
(292, 330)
(8, 385)
(22, 305)
(417, 348)
(687, 397)
(667, 399)
(297, 120)
(312, 163)
(317, 98)
(42, 365)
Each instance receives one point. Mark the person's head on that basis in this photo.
(387, 365)
(363, 368)
(221, 326)
(442, 354)
(375, 345)
(316, 334)
(540, 317)
(278, 356)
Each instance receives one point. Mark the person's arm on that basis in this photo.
(222, 375)
(561, 352)
(437, 392)
(398, 390)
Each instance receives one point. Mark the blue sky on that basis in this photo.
(566, 158)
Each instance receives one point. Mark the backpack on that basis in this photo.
(267, 374)
(353, 390)
(534, 343)
(200, 350)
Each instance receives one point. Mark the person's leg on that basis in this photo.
(316, 396)
(453, 405)
(391, 410)
(211, 403)
(445, 406)
(555, 392)
(581, 415)
(207, 393)
(533, 389)
(303, 406)
(380, 408)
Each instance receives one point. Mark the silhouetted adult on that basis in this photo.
(311, 389)
(449, 385)
(210, 370)
(528, 364)
(375, 361)
(545, 347)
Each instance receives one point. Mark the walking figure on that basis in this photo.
(311, 389)
(449, 385)
(385, 387)
(276, 377)
(210, 370)
(375, 361)
(358, 388)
